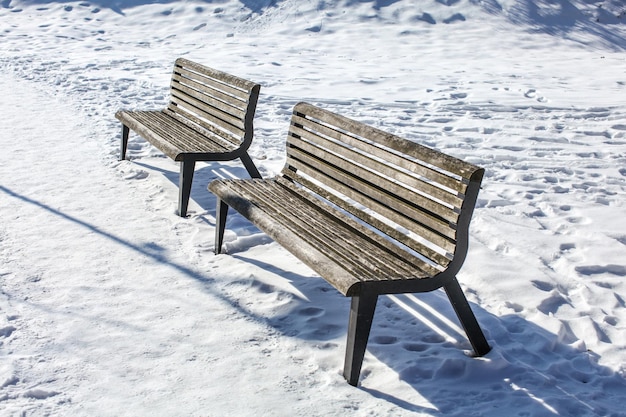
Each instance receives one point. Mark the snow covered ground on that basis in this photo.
(111, 305)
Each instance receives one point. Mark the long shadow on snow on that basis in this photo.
(256, 6)
(530, 370)
(418, 337)
(562, 18)
(559, 18)
(203, 175)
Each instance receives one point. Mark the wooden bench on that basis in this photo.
(209, 118)
(370, 212)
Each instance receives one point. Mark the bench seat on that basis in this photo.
(174, 138)
(335, 245)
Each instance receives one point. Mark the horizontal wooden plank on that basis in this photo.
(171, 136)
(383, 174)
(360, 251)
(220, 80)
(418, 168)
(433, 235)
(440, 232)
(366, 262)
(371, 184)
(401, 145)
(203, 110)
(233, 138)
(390, 233)
(235, 106)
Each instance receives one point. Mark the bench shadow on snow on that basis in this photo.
(417, 337)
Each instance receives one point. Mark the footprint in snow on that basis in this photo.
(39, 394)
(532, 93)
(384, 340)
(137, 175)
(311, 312)
(619, 270)
(7, 331)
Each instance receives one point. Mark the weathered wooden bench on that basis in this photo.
(209, 118)
(370, 212)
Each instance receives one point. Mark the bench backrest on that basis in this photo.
(214, 102)
(418, 197)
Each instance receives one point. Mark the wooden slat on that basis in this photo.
(384, 175)
(364, 254)
(228, 83)
(405, 239)
(366, 222)
(209, 86)
(402, 170)
(188, 140)
(436, 231)
(173, 137)
(441, 233)
(317, 132)
(401, 145)
(203, 110)
(203, 128)
(415, 194)
(386, 204)
(226, 103)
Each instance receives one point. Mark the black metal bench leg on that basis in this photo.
(250, 167)
(467, 318)
(184, 185)
(361, 317)
(220, 225)
(124, 143)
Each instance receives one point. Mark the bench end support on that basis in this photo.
(467, 318)
(124, 143)
(360, 323)
(250, 167)
(220, 225)
(187, 168)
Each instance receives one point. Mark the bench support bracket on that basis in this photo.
(467, 318)
(124, 143)
(220, 225)
(360, 322)
(184, 185)
(250, 167)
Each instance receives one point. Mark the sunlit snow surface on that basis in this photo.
(111, 305)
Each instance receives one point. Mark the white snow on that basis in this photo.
(111, 305)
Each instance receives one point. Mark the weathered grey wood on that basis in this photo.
(370, 212)
(209, 118)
